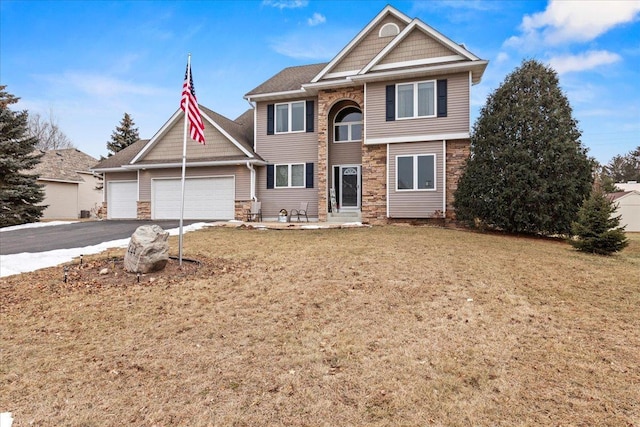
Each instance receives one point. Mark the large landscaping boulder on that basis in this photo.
(148, 250)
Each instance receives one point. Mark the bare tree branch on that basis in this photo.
(49, 134)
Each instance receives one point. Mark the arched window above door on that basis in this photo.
(348, 125)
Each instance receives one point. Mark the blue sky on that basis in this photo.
(89, 62)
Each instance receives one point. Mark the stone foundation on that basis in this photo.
(374, 184)
(458, 152)
(144, 210)
(241, 206)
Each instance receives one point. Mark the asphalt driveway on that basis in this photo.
(76, 235)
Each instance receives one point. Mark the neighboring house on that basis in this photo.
(628, 207)
(628, 186)
(70, 186)
(380, 132)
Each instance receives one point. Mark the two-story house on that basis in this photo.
(381, 131)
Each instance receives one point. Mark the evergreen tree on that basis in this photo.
(625, 168)
(19, 191)
(597, 230)
(124, 135)
(528, 172)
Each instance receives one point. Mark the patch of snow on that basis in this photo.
(35, 225)
(6, 419)
(26, 261)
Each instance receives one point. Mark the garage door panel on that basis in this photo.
(205, 198)
(122, 200)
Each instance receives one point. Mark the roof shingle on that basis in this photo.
(64, 165)
(291, 78)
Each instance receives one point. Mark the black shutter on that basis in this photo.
(391, 103)
(442, 98)
(270, 176)
(309, 116)
(270, 119)
(309, 175)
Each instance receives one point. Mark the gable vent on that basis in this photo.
(389, 30)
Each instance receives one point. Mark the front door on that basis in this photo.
(349, 187)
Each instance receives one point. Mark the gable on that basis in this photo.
(370, 45)
(417, 46)
(168, 148)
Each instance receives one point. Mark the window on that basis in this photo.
(416, 100)
(290, 117)
(348, 125)
(416, 172)
(289, 175)
(389, 30)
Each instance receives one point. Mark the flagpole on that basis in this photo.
(184, 158)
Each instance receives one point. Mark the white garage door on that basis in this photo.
(204, 198)
(122, 200)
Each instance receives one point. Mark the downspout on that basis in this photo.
(249, 165)
(444, 178)
(253, 181)
(255, 123)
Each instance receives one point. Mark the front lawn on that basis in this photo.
(385, 326)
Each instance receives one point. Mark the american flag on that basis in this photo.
(196, 125)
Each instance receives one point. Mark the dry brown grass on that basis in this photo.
(388, 326)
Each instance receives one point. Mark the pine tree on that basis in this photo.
(124, 135)
(597, 230)
(528, 172)
(19, 191)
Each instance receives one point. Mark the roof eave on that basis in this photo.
(142, 166)
(276, 95)
(476, 67)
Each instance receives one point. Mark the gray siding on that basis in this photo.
(457, 119)
(297, 147)
(415, 204)
(417, 45)
(367, 48)
(169, 147)
(286, 198)
(241, 173)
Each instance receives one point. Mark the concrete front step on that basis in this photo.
(344, 217)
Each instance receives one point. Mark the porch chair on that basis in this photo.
(302, 210)
(255, 213)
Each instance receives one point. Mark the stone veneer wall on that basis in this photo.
(144, 210)
(374, 184)
(241, 207)
(326, 100)
(458, 152)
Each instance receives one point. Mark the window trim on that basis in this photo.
(289, 170)
(415, 100)
(349, 124)
(290, 117)
(415, 173)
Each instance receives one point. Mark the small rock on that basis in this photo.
(104, 271)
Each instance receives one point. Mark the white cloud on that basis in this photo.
(311, 44)
(100, 85)
(285, 4)
(583, 61)
(502, 57)
(574, 21)
(316, 19)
